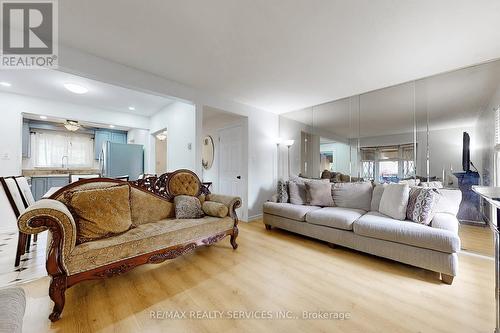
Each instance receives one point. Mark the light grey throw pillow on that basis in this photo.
(378, 190)
(188, 207)
(353, 195)
(394, 201)
(319, 194)
(297, 193)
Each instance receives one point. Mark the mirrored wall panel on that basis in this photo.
(440, 131)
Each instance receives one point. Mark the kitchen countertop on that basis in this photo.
(51, 175)
(57, 172)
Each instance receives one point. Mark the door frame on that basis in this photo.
(244, 163)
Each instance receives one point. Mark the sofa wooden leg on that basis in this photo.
(448, 279)
(331, 245)
(233, 237)
(268, 226)
(57, 292)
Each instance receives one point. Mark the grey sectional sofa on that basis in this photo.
(433, 247)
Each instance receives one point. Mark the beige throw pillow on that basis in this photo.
(215, 209)
(319, 194)
(100, 213)
(394, 201)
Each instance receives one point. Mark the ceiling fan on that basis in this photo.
(72, 125)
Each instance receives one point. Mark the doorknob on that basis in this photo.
(239, 177)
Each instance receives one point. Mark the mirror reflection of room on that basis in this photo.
(432, 132)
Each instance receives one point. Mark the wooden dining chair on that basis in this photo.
(27, 196)
(16, 202)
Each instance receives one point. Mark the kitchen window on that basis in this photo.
(52, 149)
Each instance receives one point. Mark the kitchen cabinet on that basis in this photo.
(101, 136)
(119, 137)
(40, 185)
(26, 140)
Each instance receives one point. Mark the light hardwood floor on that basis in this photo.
(275, 271)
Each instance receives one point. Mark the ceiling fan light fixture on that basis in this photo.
(162, 136)
(72, 125)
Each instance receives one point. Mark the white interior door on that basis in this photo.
(231, 180)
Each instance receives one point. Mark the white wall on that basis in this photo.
(262, 126)
(12, 106)
(211, 126)
(179, 120)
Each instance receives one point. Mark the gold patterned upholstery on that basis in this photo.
(145, 238)
(156, 228)
(184, 182)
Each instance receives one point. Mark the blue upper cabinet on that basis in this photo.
(119, 137)
(101, 136)
(26, 140)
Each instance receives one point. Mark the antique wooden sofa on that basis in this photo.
(152, 240)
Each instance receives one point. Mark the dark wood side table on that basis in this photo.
(492, 195)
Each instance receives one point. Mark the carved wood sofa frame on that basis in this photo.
(158, 186)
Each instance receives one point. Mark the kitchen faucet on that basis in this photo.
(62, 161)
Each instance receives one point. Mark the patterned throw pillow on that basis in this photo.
(420, 204)
(187, 207)
(282, 191)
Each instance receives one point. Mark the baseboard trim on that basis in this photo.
(254, 217)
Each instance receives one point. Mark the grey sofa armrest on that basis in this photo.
(12, 308)
(231, 202)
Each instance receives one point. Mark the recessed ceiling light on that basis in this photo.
(75, 88)
(5, 84)
(43, 117)
(111, 126)
(131, 108)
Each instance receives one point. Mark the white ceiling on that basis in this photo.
(284, 55)
(450, 100)
(49, 84)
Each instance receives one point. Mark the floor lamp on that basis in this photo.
(288, 144)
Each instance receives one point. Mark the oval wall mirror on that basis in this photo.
(207, 158)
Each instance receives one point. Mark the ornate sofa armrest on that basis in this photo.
(231, 202)
(52, 215)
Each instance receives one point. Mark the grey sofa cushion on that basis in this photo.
(353, 195)
(12, 307)
(377, 225)
(288, 210)
(335, 217)
(445, 221)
